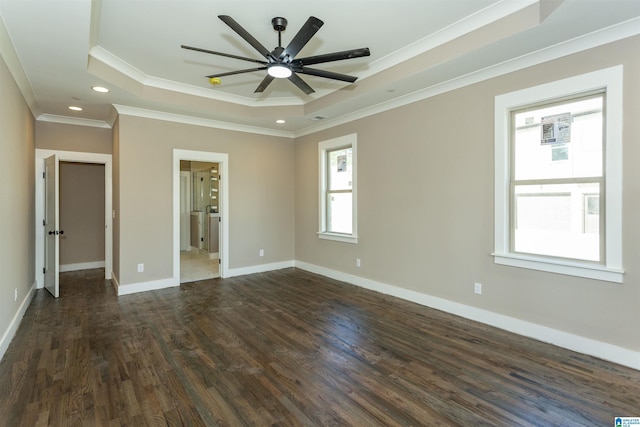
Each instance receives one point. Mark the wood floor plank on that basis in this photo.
(288, 348)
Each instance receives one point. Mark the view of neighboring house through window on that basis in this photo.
(558, 176)
(557, 179)
(338, 189)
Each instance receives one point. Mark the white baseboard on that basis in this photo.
(261, 268)
(545, 334)
(81, 266)
(15, 322)
(145, 286)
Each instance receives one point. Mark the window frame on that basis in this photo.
(325, 147)
(609, 80)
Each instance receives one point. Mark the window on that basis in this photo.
(338, 189)
(556, 163)
(558, 176)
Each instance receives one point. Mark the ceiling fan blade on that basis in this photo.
(327, 74)
(231, 73)
(330, 57)
(228, 55)
(245, 35)
(296, 80)
(264, 83)
(303, 36)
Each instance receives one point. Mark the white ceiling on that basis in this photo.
(63, 47)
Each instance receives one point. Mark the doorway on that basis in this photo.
(199, 221)
(77, 157)
(179, 200)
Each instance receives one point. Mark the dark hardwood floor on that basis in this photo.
(288, 348)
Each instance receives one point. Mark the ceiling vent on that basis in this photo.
(317, 118)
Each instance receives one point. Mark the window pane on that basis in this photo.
(340, 165)
(559, 141)
(558, 220)
(339, 213)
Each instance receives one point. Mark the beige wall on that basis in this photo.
(426, 206)
(81, 213)
(261, 190)
(17, 202)
(65, 137)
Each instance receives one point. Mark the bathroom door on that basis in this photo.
(52, 226)
(185, 210)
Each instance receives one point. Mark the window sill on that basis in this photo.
(590, 271)
(346, 238)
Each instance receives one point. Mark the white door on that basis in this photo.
(185, 210)
(51, 226)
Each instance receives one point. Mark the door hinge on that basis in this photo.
(44, 270)
(219, 261)
(43, 175)
(44, 223)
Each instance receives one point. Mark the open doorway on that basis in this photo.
(181, 180)
(78, 157)
(81, 201)
(199, 220)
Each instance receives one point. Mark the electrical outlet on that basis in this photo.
(140, 268)
(261, 252)
(478, 288)
(15, 295)
(358, 262)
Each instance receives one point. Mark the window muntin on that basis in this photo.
(557, 161)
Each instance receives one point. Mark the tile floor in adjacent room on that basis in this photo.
(196, 265)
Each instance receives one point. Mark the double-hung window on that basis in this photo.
(338, 189)
(558, 176)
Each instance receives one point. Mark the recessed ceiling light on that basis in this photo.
(74, 108)
(100, 89)
(280, 121)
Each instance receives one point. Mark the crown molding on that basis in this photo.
(598, 38)
(16, 69)
(480, 19)
(54, 118)
(115, 63)
(197, 121)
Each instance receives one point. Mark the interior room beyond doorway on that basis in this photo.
(199, 220)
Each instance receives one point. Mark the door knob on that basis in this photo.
(51, 232)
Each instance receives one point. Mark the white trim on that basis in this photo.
(260, 268)
(152, 285)
(10, 57)
(202, 156)
(77, 121)
(100, 54)
(73, 156)
(589, 41)
(346, 238)
(611, 79)
(197, 121)
(351, 141)
(10, 332)
(545, 334)
(81, 266)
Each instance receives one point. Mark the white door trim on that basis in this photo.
(201, 156)
(73, 156)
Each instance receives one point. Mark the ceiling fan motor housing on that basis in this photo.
(279, 23)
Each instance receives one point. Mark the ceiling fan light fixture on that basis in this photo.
(279, 71)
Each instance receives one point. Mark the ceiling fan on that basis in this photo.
(281, 62)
